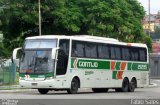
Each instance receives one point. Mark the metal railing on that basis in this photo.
(7, 73)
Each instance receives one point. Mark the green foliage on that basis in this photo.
(148, 41)
(3, 51)
(120, 19)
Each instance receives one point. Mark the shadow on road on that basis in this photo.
(85, 92)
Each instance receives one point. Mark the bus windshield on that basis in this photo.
(36, 58)
(37, 62)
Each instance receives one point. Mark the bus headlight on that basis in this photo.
(48, 78)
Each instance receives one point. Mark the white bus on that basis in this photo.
(55, 62)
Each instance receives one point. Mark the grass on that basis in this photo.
(17, 78)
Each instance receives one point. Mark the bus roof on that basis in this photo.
(72, 37)
(88, 38)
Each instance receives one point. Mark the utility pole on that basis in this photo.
(149, 33)
(149, 18)
(39, 7)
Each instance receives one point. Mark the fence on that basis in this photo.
(154, 66)
(7, 73)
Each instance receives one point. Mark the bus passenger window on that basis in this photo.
(125, 53)
(74, 51)
(90, 50)
(103, 52)
(118, 53)
(80, 50)
(134, 54)
(113, 55)
(143, 56)
(77, 49)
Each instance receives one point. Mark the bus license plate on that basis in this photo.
(34, 84)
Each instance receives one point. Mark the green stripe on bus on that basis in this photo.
(118, 64)
(89, 64)
(140, 67)
(129, 66)
(81, 63)
(114, 74)
(37, 75)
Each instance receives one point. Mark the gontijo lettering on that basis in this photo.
(88, 64)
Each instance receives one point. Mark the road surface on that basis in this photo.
(32, 97)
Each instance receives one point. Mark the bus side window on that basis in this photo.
(143, 56)
(103, 51)
(90, 50)
(63, 53)
(113, 54)
(118, 53)
(77, 49)
(134, 54)
(125, 53)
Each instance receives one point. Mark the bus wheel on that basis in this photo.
(99, 90)
(125, 85)
(43, 91)
(132, 85)
(74, 86)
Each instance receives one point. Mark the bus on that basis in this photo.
(59, 62)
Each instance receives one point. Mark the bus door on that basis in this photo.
(62, 63)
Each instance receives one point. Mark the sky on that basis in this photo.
(154, 5)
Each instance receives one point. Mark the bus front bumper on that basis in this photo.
(38, 84)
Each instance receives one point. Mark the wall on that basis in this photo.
(155, 65)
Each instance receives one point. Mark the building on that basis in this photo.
(150, 22)
(149, 27)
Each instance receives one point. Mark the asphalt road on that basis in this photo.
(32, 97)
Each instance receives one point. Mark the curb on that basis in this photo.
(153, 85)
(11, 88)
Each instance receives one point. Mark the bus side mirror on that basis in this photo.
(17, 52)
(54, 52)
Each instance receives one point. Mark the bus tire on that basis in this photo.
(99, 90)
(75, 84)
(43, 91)
(132, 85)
(125, 85)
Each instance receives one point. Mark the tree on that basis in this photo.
(120, 19)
